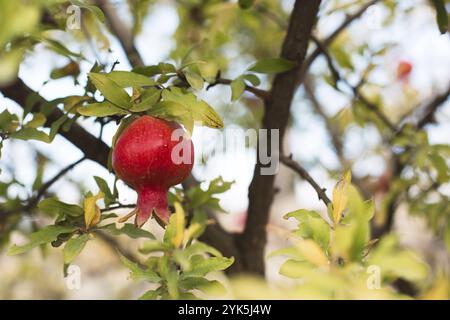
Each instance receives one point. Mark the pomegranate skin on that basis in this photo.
(404, 70)
(142, 158)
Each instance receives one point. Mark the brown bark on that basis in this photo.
(252, 241)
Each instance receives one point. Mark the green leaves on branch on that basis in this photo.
(272, 65)
(74, 246)
(96, 11)
(43, 236)
(172, 103)
(194, 79)
(198, 110)
(183, 264)
(54, 207)
(101, 109)
(311, 226)
(237, 88)
(129, 230)
(126, 79)
(110, 90)
(31, 134)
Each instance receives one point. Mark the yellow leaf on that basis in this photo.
(340, 196)
(191, 231)
(312, 252)
(179, 225)
(91, 210)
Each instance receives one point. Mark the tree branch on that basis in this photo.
(431, 108)
(93, 148)
(43, 189)
(329, 40)
(277, 109)
(122, 33)
(331, 128)
(263, 94)
(289, 162)
(355, 89)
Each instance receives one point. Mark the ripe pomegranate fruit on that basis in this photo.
(151, 157)
(404, 69)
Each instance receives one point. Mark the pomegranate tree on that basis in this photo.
(151, 156)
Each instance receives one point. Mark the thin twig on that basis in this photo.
(289, 162)
(122, 33)
(355, 89)
(119, 206)
(43, 189)
(431, 108)
(263, 94)
(329, 40)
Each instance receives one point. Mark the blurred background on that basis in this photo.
(390, 35)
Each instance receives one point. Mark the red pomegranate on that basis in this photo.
(404, 69)
(151, 155)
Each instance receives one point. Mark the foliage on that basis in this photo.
(234, 45)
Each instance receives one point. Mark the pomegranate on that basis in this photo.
(150, 156)
(404, 69)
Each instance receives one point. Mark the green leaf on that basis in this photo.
(152, 246)
(56, 125)
(8, 121)
(31, 134)
(292, 252)
(200, 247)
(201, 266)
(137, 273)
(43, 236)
(55, 207)
(161, 68)
(441, 15)
(150, 295)
(37, 121)
(311, 226)
(130, 230)
(148, 99)
(272, 65)
(171, 231)
(171, 110)
(210, 287)
(94, 9)
(194, 79)
(58, 47)
(102, 109)
(295, 269)
(342, 57)
(110, 90)
(74, 246)
(252, 78)
(103, 186)
(201, 112)
(237, 88)
(127, 79)
(440, 165)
